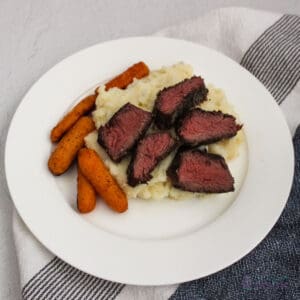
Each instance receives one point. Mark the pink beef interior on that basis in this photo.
(198, 172)
(200, 126)
(126, 127)
(172, 97)
(149, 150)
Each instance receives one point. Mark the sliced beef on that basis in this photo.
(123, 131)
(149, 152)
(199, 127)
(196, 171)
(172, 101)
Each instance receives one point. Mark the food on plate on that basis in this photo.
(98, 175)
(126, 156)
(150, 150)
(197, 171)
(200, 127)
(66, 150)
(143, 93)
(171, 102)
(121, 133)
(85, 106)
(69, 145)
(86, 194)
(138, 70)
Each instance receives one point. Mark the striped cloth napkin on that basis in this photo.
(268, 45)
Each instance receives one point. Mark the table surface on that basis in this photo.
(38, 34)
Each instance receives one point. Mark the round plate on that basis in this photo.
(137, 254)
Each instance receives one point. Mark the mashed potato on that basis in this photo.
(142, 93)
(229, 148)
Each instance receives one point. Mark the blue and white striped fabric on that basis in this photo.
(268, 45)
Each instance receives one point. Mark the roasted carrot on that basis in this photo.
(94, 170)
(87, 104)
(86, 194)
(82, 108)
(138, 70)
(66, 150)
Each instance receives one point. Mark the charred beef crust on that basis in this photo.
(211, 137)
(173, 169)
(131, 178)
(114, 122)
(164, 120)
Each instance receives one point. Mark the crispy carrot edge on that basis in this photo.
(94, 170)
(83, 107)
(67, 148)
(138, 70)
(86, 194)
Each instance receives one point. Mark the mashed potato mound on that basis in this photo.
(142, 93)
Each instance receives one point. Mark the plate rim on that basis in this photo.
(8, 137)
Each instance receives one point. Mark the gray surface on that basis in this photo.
(36, 35)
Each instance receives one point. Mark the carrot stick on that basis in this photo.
(87, 104)
(66, 150)
(86, 195)
(138, 70)
(94, 170)
(82, 108)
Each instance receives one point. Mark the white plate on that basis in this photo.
(158, 242)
